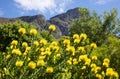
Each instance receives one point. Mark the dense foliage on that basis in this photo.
(26, 53)
(97, 27)
(66, 58)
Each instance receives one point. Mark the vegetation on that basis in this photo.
(98, 28)
(26, 53)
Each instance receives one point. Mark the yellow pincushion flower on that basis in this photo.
(106, 60)
(41, 57)
(19, 63)
(83, 58)
(87, 62)
(82, 49)
(83, 36)
(22, 31)
(66, 42)
(24, 44)
(32, 65)
(40, 63)
(93, 65)
(71, 49)
(36, 43)
(75, 61)
(16, 52)
(49, 70)
(76, 41)
(43, 41)
(75, 36)
(106, 64)
(93, 45)
(98, 76)
(33, 31)
(83, 68)
(8, 56)
(115, 74)
(94, 57)
(69, 62)
(52, 27)
(14, 42)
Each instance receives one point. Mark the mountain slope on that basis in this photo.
(62, 21)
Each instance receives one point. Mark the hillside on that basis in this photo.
(62, 21)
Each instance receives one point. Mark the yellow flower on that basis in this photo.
(69, 62)
(41, 49)
(49, 69)
(40, 63)
(83, 68)
(93, 65)
(14, 42)
(98, 68)
(87, 62)
(54, 43)
(66, 42)
(82, 49)
(16, 52)
(24, 44)
(83, 36)
(109, 72)
(32, 65)
(106, 64)
(33, 31)
(83, 57)
(19, 63)
(106, 60)
(75, 36)
(48, 53)
(58, 55)
(8, 56)
(115, 74)
(75, 61)
(71, 49)
(41, 57)
(36, 43)
(76, 41)
(94, 57)
(98, 76)
(27, 48)
(22, 31)
(52, 27)
(93, 45)
(43, 41)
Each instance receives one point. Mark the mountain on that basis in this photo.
(62, 21)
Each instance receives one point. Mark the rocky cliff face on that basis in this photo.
(62, 21)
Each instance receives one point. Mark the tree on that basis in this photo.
(97, 27)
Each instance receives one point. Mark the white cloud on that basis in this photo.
(102, 2)
(44, 6)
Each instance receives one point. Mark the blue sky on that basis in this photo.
(49, 8)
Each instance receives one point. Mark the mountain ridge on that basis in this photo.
(62, 21)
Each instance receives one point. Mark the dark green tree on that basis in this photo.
(97, 27)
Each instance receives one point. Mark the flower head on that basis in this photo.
(14, 42)
(24, 44)
(32, 65)
(75, 36)
(83, 36)
(93, 45)
(19, 63)
(52, 27)
(40, 63)
(36, 43)
(22, 31)
(33, 31)
(49, 69)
